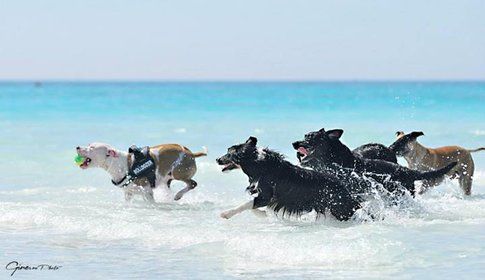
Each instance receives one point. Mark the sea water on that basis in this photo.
(52, 212)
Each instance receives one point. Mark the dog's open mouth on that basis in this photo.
(301, 153)
(230, 166)
(85, 163)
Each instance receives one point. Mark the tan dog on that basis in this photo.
(422, 158)
(173, 162)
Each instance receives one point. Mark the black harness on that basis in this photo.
(143, 167)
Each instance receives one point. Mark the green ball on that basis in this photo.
(79, 159)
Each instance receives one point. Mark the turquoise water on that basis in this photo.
(53, 212)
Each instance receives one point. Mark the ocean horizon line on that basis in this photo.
(235, 81)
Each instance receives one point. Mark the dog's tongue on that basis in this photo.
(302, 150)
(228, 167)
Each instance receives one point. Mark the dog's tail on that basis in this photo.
(200, 154)
(477, 150)
(436, 173)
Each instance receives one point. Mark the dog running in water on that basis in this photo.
(322, 150)
(423, 158)
(280, 185)
(173, 162)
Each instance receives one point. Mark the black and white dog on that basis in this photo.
(280, 185)
(322, 150)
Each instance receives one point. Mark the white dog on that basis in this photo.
(172, 162)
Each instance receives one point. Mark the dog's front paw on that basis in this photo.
(178, 196)
(227, 214)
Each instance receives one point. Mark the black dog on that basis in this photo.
(280, 185)
(376, 151)
(322, 150)
(371, 151)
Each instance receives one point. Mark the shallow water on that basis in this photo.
(53, 212)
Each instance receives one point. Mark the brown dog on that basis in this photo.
(173, 162)
(425, 159)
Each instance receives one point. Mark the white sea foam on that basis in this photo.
(248, 244)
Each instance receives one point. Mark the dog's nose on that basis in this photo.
(296, 145)
(77, 148)
(218, 160)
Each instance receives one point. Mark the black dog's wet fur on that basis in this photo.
(370, 150)
(281, 185)
(376, 151)
(326, 151)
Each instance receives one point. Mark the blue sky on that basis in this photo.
(242, 40)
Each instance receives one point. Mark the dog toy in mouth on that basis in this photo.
(79, 159)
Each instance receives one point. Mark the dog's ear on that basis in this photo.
(415, 134)
(112, 153)
(132, 149)
(335, 133)
(321, 130)
(252, 141)
(399, 134)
